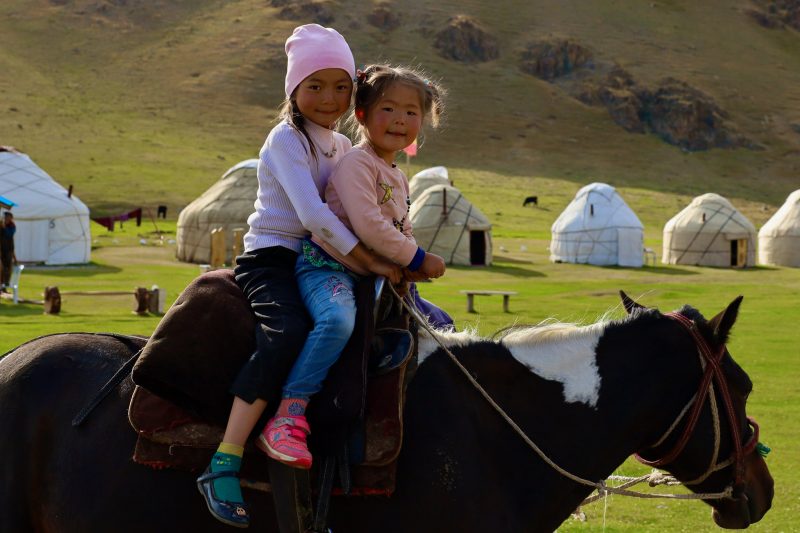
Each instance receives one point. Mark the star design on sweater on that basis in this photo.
(387, 192)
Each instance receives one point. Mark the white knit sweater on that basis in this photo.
(291, 184)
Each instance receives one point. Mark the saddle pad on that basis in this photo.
(171, 437)
(163, 422)
(199, 346)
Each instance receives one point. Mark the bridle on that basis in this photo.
(710, 362)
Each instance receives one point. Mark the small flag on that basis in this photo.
(411, 149)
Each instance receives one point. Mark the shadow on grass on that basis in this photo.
(9, 309)
(670, 271)
(73, 271)
(506, 259)
(505, 269)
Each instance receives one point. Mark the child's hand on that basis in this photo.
(401, 288)
(389, 270)
(432, 266)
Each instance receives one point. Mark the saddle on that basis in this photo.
(181, 400)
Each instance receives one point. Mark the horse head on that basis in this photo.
(712, 446)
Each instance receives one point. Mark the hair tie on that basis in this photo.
(361, 76)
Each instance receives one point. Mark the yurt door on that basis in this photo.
(739, 253)
(477, 247)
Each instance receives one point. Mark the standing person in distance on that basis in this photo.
(8, 257)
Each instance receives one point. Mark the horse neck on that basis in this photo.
(492, 452)
(642, 369)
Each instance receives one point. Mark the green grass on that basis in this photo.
(764, 338)
(142, 103)
(148, 104)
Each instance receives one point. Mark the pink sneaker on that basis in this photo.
(284, 439)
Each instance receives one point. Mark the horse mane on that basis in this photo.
(548, 331)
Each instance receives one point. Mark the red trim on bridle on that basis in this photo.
(713, 370)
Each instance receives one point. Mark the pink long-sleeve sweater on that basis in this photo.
(371, 198)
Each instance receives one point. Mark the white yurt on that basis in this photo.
(709, 232)
(598, 228)
(52, 225)
(427, 178)
(447, 224)
(226, 204)
(779, 238)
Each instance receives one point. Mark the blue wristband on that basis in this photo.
(415, 263)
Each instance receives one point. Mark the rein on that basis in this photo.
(710, 363)
(601, 486)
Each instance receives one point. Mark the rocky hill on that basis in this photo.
(135, 99)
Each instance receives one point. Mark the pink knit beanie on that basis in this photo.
(311, 48)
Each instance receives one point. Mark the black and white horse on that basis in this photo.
(588, 397)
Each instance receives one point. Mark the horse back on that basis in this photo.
(43, 384)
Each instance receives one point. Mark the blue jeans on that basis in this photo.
(330, 300)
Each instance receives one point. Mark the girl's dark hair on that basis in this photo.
(374, 80)
(291, 114)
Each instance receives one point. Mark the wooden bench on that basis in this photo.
(471, 298)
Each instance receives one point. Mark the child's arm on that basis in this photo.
(354, 181)
(288, 161)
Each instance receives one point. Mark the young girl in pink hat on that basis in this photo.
(370, 195)
(296, 160)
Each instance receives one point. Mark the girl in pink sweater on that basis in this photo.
(369, 194)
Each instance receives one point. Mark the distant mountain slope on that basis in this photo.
(138, 99)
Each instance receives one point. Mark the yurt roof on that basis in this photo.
(596, 206)
(427, 178)
(228, 197)
(35, 192)
(785, 221)
(247, 163)
(427, 210)
(709, 213)
(432, 172)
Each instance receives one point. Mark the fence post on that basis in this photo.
(155, 301)
(217, 247)
(238, 244)
(142, 297)
(52, 301)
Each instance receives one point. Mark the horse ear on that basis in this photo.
(629, 304)
(723, 322)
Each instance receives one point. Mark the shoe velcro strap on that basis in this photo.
(215, 475)
(298, 422)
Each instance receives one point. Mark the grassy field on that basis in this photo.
(144, 103)
(137, 100)
(764, 338)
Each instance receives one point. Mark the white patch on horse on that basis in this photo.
(563, 353)
(428, 345)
